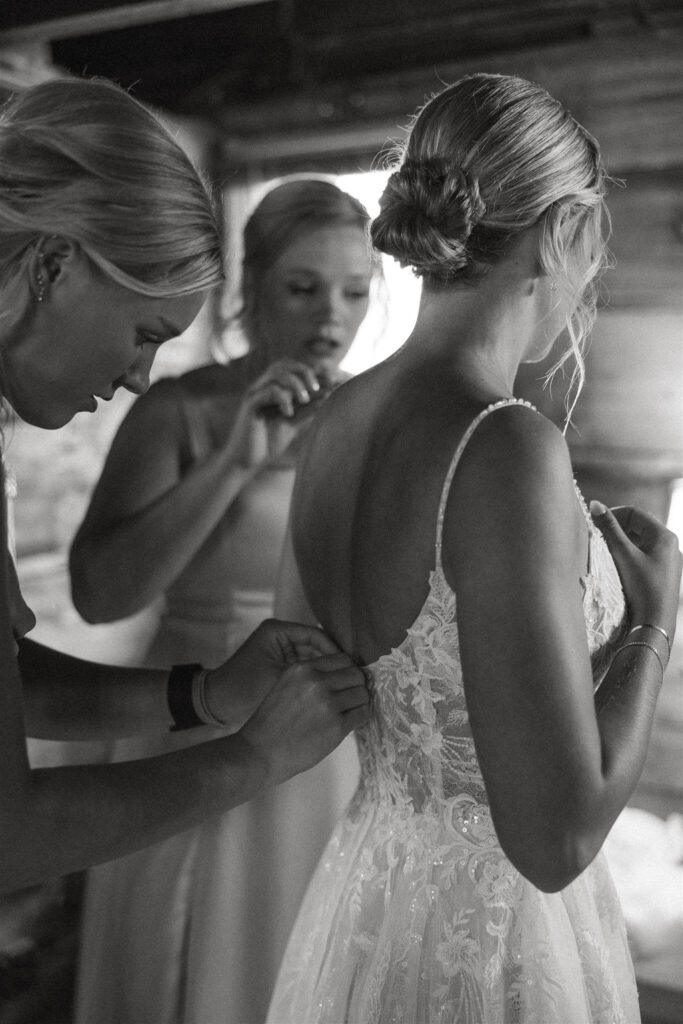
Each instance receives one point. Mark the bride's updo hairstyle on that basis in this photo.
(428, 212)
(485, 159)
(84, 160)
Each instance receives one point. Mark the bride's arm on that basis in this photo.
(557, 770)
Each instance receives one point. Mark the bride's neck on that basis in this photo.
(478, 333)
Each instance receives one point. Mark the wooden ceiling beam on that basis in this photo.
(91, 16)
(628, 91)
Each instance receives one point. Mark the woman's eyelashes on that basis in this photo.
(302, 289)
(149, 338)
(353, 294)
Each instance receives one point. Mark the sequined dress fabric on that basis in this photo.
(415, 915)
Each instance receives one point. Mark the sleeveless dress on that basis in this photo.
(415, 915)
(192, 930)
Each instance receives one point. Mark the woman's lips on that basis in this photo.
(323, 346)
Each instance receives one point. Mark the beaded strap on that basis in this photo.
(456, 458)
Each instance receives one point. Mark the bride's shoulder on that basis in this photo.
(342, 410)
(516, 435)
(514, 461)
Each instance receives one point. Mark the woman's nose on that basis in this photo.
(136, 378)
(331, 306)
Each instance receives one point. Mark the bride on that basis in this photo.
(441, 540)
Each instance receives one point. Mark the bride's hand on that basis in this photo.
(270, 414)
(648, 560)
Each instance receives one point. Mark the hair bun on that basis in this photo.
(447, 195)
(427, 213)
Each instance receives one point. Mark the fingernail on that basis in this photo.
(597, 508)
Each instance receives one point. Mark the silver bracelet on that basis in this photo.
(643, 643)
(648, 625)
(199, 702)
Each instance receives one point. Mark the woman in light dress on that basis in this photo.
(450, 552)
(194, 929)
(109, 243)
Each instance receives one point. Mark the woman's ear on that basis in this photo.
(56, 253)
(526, 259)
(535, 236)
(51, 257)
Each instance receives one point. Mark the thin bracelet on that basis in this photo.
(199, 701)
(648, 625)
(179, 696)
(643, 643)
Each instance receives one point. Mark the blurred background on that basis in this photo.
(259, 89)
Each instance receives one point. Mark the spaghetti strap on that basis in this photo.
(456, 458)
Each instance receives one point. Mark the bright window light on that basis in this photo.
(675, 520)
(384, 330)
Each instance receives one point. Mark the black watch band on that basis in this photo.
(179, 695)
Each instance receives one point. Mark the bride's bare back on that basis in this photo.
(364, 517)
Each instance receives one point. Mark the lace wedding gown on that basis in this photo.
(415, 915)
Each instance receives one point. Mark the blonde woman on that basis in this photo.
(108, 246)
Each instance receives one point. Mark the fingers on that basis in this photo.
(308, 641)
(639, 526)
(285, 384)
(309, 377)
(356, 718)
(624, 523)
(608, 524)
(620, 524)
(635, 521)
(305, 653)
(355, 698)
(337, 675)
(274, 395)
(339, 663)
